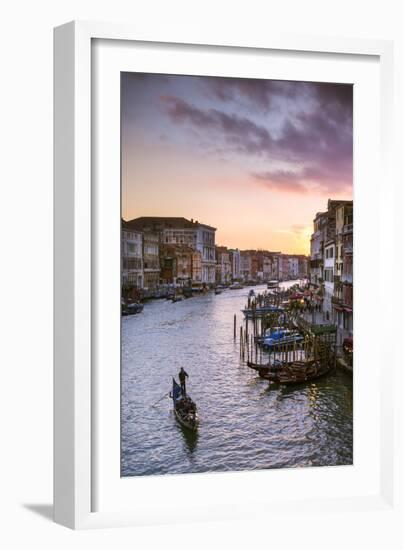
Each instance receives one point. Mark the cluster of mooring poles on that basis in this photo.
(277, 342)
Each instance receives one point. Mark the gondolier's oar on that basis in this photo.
(165, 394)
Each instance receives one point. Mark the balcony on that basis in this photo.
(347, 229)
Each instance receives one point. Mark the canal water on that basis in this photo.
(245, 423)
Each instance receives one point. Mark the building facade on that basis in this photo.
(198, 236)
(223, 265)
(317, 249)
(235, 258)
(302, 267)
(332, 264)
(246, 265)
(151, 259)
(328, 278)
(293, 267)
(132, 257)
(176, 261)
(343, 295)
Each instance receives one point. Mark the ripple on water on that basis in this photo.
(245, 424)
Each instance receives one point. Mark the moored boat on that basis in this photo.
(185, 409)
(132, 308)
(273, 284)
(296, 372)
(258, 311)
(236, 286)
(281, 337)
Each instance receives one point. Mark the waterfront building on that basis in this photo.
(283, 267)
(293, 267)
(223, 265)
(265, 261)
(275, 266)
(176, 262)
(246, 265)
(267, 267)
(176, 230)
(196, 268)
(302, 266)
(343, 291)
(235, 259)
(132, 257)
(328, 277)
(254, 265)
(331, 265)
(151, 260)
(317, 238)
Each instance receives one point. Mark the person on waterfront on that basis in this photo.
(182, 379)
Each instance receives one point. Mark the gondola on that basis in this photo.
(296, 372)
(132, 309)
(274, 366)
(236, 286)
(185, 409)
(259, 311)
(177, 298)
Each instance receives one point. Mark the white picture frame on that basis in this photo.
(77, 423)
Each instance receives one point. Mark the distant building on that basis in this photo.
(246, 265)
(293, 267)
(283, 267)
(172, 230)
(151, 259)
(132, 257)
(176, 262)
(275, 266)
(235, 258)
(223, 265)
(267, 267)
(302, 266)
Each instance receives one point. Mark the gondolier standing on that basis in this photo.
(182, 379)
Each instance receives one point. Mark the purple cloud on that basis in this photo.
(316, 138)
(258, 92)
(307, 179)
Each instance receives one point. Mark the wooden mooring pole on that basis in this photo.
(234, 326)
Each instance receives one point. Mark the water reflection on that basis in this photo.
(245, 422)
(190, 439)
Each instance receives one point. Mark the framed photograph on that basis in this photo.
(218, 209)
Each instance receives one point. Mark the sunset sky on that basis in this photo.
(255, 158)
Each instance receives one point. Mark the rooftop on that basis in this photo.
(158, 223)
